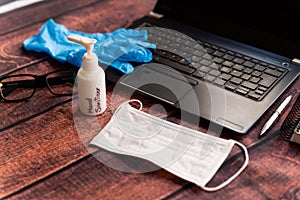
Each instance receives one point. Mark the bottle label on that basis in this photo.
(90, 105)
(94, 104)
(97, 99)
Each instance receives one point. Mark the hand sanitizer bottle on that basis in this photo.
(90, 79)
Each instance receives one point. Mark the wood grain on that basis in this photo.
(40, 146)
(93, 180)
(272, 173)
(42, 100)
(44, 142)
(26, 16)
(13, 56)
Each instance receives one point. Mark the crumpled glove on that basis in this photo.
(117, 48)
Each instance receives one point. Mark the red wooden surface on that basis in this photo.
(44, 153)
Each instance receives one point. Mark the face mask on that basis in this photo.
(187, 153)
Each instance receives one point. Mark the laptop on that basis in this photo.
(225, 62)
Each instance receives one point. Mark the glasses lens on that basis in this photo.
(17, 87)
(61, 82)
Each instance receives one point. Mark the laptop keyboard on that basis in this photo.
(233, 71)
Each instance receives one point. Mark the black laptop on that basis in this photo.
(224, 61)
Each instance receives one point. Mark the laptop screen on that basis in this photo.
(267, 24)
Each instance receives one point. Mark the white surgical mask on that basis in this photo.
(187, 153)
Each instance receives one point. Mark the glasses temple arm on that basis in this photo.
(60, 79)
(8, 87)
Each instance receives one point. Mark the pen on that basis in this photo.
(275, 115)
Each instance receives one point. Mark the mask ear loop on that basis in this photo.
(229, 180)
(127, 102)
(140, 109)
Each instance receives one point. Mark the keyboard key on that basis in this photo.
(230, 86)
(254, 80)
(225, 76)
(259, 68)
(236, 73)
(199, 74)
(196, 58)
(281, 69)
(227, 63)
(217, 60)
(225, 69)
(219, 82)
(263, 64)
(262, 88)
(236, 81)
(194, 65)
(238, 67)
(205, 62)
(204, 69)
(230, 53)
(260, 92)
(209, 78)
(271, 67)
(249, 64)
(238, 60)
(267, 80)
(175, 65)
(184, 61)
(254, 96)
(214, 66)
(210, 51)
(175, 58)
(247, 70)
(246, 76)
(249, 85)
(198, 53)
(256, 73)
(215, 72)
(207, 56)
(242, 90)
(218, 54)
(228, 57)
(273, 72)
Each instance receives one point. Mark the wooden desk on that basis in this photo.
(43, 157)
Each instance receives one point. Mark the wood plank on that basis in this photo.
(272, 173)
(41, 156)
(13, 56)
(42, 100)
(97, 179)
(91, 173)
(38, 147)
(60, 132)
(93, 180)
(22, 17)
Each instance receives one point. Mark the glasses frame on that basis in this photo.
(40, 81)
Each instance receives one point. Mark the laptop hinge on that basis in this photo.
(296, 61)
(155, 15)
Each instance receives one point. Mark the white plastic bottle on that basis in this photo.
(90, 79)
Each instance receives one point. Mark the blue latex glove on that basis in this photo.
(117, 48)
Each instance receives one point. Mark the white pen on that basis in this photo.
(275, 115)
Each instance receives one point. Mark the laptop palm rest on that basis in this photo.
(159, 81)
(190, 96)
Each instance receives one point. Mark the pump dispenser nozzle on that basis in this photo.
(88, 43)
(91, 79)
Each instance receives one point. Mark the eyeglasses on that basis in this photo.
(23, 86)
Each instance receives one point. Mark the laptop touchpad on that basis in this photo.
(160, 81)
